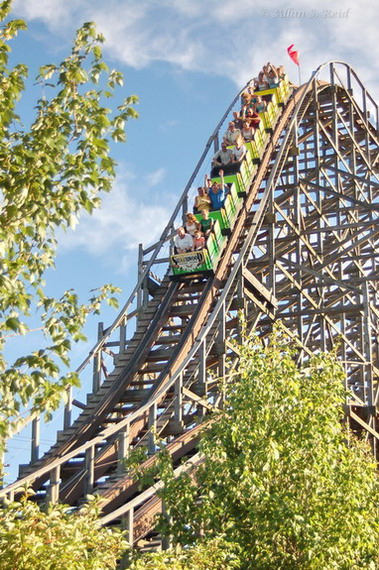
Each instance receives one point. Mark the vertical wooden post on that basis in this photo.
(36, 430)
(127, 526)
(152, 423)
(96, 381)
(202, 370)
(122, 329)
(145, 293)
(221, 343)
(90, 470)
(178, 406)
(53, 488)
(140, 271)
(123, 449)
(167, 540)
(367, 368)
(270, 216)
(127, 523)
(367, 347)
(202, 378)
(241, 303)
(177, 422)
(2, 465)
(68, 409)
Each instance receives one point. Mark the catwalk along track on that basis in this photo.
(299, 243)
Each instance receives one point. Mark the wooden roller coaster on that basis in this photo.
(303, 249)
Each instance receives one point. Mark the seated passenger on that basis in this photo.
(183, 242)
(198, 241)
(202, 200)
(247, 104)
(261, 83)
(206, 223)
(231, 134)
(216, 195)
(245, 98)
(191, 224)
(281, 72)
(253, 95)
(239, 150)
(237, 120)
(253, 118)
(260, 104)
(223, 157)
(247, 131)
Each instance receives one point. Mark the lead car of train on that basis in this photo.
(205, 261)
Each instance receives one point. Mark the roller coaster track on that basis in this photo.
(304, 250)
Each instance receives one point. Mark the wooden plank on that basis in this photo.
(254, 285)
(364, 424)
(198, 399)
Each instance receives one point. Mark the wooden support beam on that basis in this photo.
(258, 289)
(123, 442)
(198, 399)
(36, 431)
(152, 426)
(90, 470)
(364, 424)
(53, 488)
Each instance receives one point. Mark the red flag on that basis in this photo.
(294, 55)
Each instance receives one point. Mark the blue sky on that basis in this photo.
(185, 59)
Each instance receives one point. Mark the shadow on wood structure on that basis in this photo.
(303, 250)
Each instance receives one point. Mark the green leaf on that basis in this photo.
(13, 324)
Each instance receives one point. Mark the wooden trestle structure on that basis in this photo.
(303, 250)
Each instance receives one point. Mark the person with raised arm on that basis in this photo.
(222, 185)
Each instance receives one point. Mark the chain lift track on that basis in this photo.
(304, 250)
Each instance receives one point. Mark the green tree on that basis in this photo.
(57, 539)
(50, 172)
(282, 477)
(212, 554)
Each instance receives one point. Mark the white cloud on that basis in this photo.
(219, 36)
(168, 125)
(156, 177)
(55, 13)
(126, 218)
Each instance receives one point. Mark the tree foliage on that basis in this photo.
(282, 477)
(50, 172)
(56, 539)
(212, 554)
